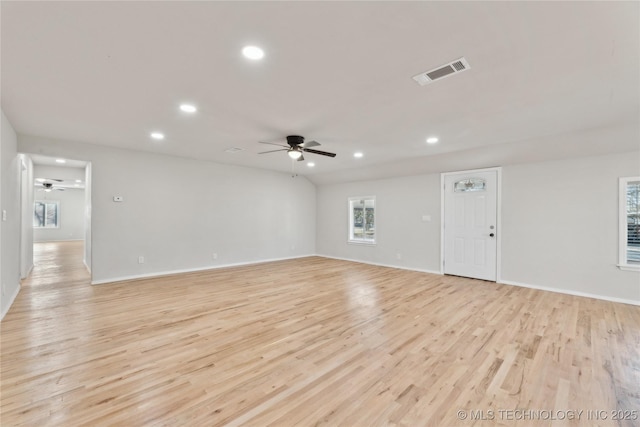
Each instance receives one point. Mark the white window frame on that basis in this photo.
(623, 264)
(48, 202)
(351, 238)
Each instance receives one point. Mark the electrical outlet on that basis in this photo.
(215, 256)
(140, 260)
(399, 256)
(4, 214)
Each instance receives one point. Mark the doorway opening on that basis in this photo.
(56, 216)
(470, 228)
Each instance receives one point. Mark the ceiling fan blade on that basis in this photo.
(273, 151)
(273, 143)
(301, 158)
(48, 179)
(308, 144)
(322, 153)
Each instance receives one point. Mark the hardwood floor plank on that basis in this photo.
(310, 341)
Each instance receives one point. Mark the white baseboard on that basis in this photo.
(84, 261)
(571, 292)
(238, 264)
(191, 270)
(59, 240)
(12, 298)
(28, 272)
(504, 282)
(401, 267)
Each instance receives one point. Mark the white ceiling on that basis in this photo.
(70, 175)
(39, 159)
(547, 80)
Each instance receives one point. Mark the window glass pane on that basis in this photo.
(38, 215)
(633, 222)
(357, 209)
(471, 184)
(45, 214)
(362, 213)
(370, 222)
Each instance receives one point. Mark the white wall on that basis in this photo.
(559, 224)
(178, 212)
(10, 229)
(70, 216)
(71, 205)
(400, 205)
(559, 218)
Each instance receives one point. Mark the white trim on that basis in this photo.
(503, 282)
(361, 243)
(191, 270)
(12, 298)
(400, 267)
(629, 267)
(571, 292)
(442, 184)
(350, 240)
(29, 270)
(498, 170)
(47, 201)
(84, 261)
(60, 240)
(622, 223)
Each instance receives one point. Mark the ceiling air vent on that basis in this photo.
(234, 150)
(441, 72)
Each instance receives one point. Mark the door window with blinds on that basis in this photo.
(46, 214)
(362, 220)
(629, 222)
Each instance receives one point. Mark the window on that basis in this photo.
(46, 214)
(362, 220)
(471, 184)
(629, 223)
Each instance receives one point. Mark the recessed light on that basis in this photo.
(311, 164)
(78, 180)
(253, 52)
(357, 155)
(157, 135)
(188, 108)
(61, 161)
(432, 140)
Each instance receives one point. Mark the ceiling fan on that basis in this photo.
(48, 184)
(296, 146)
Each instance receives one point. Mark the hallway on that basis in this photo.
(57, 264)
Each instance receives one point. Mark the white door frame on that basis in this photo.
(498, 171)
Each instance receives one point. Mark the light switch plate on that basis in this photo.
(118, 198)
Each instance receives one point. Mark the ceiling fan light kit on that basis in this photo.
(296, 146)
(294, 153)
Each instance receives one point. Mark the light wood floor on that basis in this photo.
(309, 342)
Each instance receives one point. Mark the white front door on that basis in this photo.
(470, 224)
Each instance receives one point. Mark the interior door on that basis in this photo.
(470, 224)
